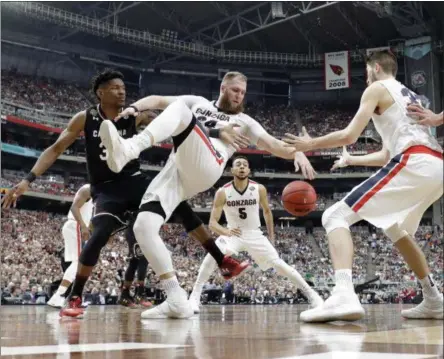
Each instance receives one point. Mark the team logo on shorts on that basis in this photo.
(418, 79)
(337, 70)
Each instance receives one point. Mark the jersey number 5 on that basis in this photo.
(104, 155)
(242, 213)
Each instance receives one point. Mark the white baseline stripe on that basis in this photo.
(99, 347)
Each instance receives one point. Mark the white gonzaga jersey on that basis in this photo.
(397, 130)
(86, 211)
(242, 208)
(210, 116)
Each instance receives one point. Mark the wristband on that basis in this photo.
(134, 107)
(215, 133)
(30, 177)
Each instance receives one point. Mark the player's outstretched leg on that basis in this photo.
(103, 227)
(285, 270)
(146, 229)
(171, 122)
(57, 300)
(432, 305)
(207, 267)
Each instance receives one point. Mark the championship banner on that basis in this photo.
(337, 70)
(419, 71)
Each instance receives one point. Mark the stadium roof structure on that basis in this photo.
(168, 32)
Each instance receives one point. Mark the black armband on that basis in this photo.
(215, 133)
(30, 177)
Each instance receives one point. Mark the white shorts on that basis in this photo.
(257, 245)
(73, 240)
(193, 167)
(400, 192)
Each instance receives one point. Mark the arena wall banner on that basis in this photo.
(420, 71)
(337, 70)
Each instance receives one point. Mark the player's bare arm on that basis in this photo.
(144, 118)
(82, 196)
(278, 148)
(375, 159)
(216, 212)
(346, 136)
(268, 215)
(47, 158)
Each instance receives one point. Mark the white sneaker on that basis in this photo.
(315, 299)
(429, 308)
(177, 307)
(195, 304)
(120, 151)
(342, 305)
(56, 301)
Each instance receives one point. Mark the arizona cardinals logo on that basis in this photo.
(337, 70)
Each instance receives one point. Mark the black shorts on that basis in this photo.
(119, 198)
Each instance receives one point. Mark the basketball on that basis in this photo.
(299, 198)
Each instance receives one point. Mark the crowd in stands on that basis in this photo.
(53, 102)
(33, 249)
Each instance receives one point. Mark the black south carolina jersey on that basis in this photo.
(96, 153)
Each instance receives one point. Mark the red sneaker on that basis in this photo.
(142, 301)
(231, 268)
(73, 308)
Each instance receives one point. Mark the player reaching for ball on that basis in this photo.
(240, 200)
(393, 199)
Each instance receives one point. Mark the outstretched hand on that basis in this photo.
(11, 196)
(300, 143)
(129, 111)
(342, 161)
(230, 136)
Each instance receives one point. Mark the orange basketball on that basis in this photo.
(299, 198)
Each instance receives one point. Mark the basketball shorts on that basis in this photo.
(194, 165)
(72, 238)
(255, 243)
(400, 192)
(119, 198)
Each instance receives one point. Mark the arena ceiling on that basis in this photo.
(295, 27)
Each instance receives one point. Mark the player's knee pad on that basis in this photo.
(337, 216)
(70, 273)
(148, 224)
(395, 233)
(190, 220)
(103, 228)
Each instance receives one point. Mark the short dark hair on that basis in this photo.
(386, 59)
(103, 77)
(240, 157)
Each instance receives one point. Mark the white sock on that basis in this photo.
(170, 285)
(171, 122)
(429, 288)
(146, 230)
(207, 267)
(343, 279)
(287, 271)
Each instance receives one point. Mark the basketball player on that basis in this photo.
(240, 200)
(74, 231)
(393, 199)
(195, 164)
(113, 193)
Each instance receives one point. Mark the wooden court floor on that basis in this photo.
(257, 332)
